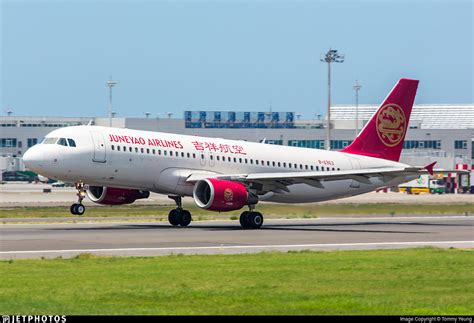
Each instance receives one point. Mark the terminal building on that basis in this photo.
(442, 133)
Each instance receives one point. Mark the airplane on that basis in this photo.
(115, 166)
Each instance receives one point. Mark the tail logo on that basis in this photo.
(391, 124)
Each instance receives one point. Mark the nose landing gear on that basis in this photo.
(78, 208)
(179, 216)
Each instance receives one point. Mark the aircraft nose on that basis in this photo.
(33, 158)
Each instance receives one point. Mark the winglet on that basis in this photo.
(430, 167)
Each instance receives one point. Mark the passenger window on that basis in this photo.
(124, 148)
(279, 165)
(159, 151)
(317, 168)
(118, 148)
(71, 142)
(311, 167)
(301, 166)
(136, 149)
(113, 147)
(194, 155)
(246, 160)
(251, 161)
(306, 167)
(256, 161)
(188, 155)
(218, 158)
(240, 160)
(182, 154)
(142, 150)
(153, 151)
(148, 150)
(164, 152)
(289, 165)
(62, 142)
(171, 153)
(273, 164)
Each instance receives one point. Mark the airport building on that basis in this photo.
(442, 133)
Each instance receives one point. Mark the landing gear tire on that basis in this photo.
(179, 217)
(251, 220)
(173, 217)
(185, 218)
(77, 209)
(244, 222)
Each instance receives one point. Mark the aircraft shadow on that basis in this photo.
(308, 227)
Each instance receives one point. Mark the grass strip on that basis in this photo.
(424, 281)
(269, 210)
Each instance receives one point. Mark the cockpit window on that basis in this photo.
(49, 141)
(62, 142)
(71, 142)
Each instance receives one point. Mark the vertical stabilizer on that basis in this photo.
(383, 135)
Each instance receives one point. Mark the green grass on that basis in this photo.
(394, 282)
(268, 209)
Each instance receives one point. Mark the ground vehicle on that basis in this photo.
(424, 184)
(62, 184)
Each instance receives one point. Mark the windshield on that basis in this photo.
(49, 141)
(59, 141)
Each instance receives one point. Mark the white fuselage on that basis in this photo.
(161, 162)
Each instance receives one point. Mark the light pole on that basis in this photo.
(331, 56)
(356, 88)
(110, 84)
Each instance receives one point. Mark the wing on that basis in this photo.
(279, 182)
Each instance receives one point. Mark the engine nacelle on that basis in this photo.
(115, 196)
(221, 195)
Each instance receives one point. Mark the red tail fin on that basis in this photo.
(383, 135)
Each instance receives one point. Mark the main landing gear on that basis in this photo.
(251, 219)
(78, 208)
(179, 216)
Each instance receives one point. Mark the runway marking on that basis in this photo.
(361, 244)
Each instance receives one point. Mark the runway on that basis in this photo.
(213, 237)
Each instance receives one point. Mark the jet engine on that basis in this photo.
(115, 196)
(221, 195)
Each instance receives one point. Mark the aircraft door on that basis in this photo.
(355, 165)
(99, 147)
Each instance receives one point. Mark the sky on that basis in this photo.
(228, 55)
